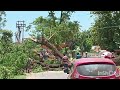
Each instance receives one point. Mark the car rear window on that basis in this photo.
(96, 69)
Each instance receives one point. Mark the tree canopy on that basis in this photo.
(106, 29)
(57, 29)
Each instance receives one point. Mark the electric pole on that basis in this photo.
(20, 25)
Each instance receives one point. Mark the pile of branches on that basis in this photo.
(32, 63)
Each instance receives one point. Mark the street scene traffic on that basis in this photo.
(59, 45)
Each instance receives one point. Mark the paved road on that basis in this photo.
(47, 75)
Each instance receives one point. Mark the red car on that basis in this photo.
(94, 68)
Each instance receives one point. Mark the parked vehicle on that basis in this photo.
(108, 55)
(94, 68)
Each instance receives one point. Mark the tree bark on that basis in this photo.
(43, 64)
(61, 19)
(45, 42)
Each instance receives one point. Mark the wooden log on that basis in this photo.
(45, 42)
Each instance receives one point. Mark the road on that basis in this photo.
(47, 75)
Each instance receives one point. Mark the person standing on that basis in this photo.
(40, 55)
(66, 64)
(46, 55)
(86, 54)
(78, 56)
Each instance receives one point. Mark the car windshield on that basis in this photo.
(96, 69)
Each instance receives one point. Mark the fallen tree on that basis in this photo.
(43, 64)
(45, 42)
(31, 63)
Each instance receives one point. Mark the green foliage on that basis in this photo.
(106, 29)
(56, 29)
(28, 47)
(6, 72)
(61, 29)
(14, 57)
(19, 77)
(37, 69)
(5, 41)
(2, 19)
(84, 40)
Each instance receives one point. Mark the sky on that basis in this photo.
(29, 16)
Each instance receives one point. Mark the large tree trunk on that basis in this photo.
(61, 19)
(45, 42)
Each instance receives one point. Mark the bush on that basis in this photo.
(17, 60)
(13, 57)
(6, 72)
(37, 69)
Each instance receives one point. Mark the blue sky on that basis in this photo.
(29, 16)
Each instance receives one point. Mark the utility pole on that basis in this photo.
(20, 25)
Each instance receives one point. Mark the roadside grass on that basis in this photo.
(20, 77)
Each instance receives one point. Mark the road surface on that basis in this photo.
(47, 75)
